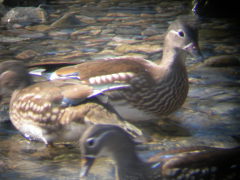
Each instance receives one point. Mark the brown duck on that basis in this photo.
(56, 111)
(155, 89)
(182, 163)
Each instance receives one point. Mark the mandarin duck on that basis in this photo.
(155, 89)
(183, 163)
(59, 110)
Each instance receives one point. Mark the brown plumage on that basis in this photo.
(154, 89)
(182, 163)
(55, 111)
(13, 75)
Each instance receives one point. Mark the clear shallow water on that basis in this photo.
(210, 115)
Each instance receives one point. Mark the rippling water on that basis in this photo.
(105, 28)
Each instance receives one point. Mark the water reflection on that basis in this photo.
(133, 28)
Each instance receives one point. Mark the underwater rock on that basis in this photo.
(25, 16)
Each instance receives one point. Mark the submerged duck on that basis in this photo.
(182, 163)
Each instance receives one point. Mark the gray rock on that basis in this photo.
(24, 16)
(222, 61)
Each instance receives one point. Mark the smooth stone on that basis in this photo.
(135, 22)
(226, 109)
(119, 14)
(27, 54)
(100, 42)
(40, 27)
(128, 30)
(106, 19)
(222, 61)
(86, 19)
(89, 50)
(94, 30)
(150, 31)
(155, 38)
(109, 52)
(31, 35)
(226, 97)
(147, 48)
(119, 41)
(229, 49)
(59, 33)
(8, 39)
(25, 16)
(107, 31)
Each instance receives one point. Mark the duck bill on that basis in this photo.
(194, 50)
(87, 163)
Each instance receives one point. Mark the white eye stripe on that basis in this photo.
(177, 32)
(174, 32)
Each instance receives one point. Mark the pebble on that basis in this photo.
(32, 35)
(108, 52)
(59, 33)
(147, 48)
(93, 30)
(222, 61)
(9, 39)
(105, 19)
(27, 54)
(150, 31)
(128, 30)
(40, 27)
(25, 16)
(229, 49)
(86, 19)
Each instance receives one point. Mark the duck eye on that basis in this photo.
(90, 142)
(181, 33)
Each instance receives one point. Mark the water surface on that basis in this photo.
(210, 115)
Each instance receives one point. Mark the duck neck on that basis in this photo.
(173, 59)
(129, 165)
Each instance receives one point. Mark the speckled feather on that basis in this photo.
(60, 110)
(154, 89)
